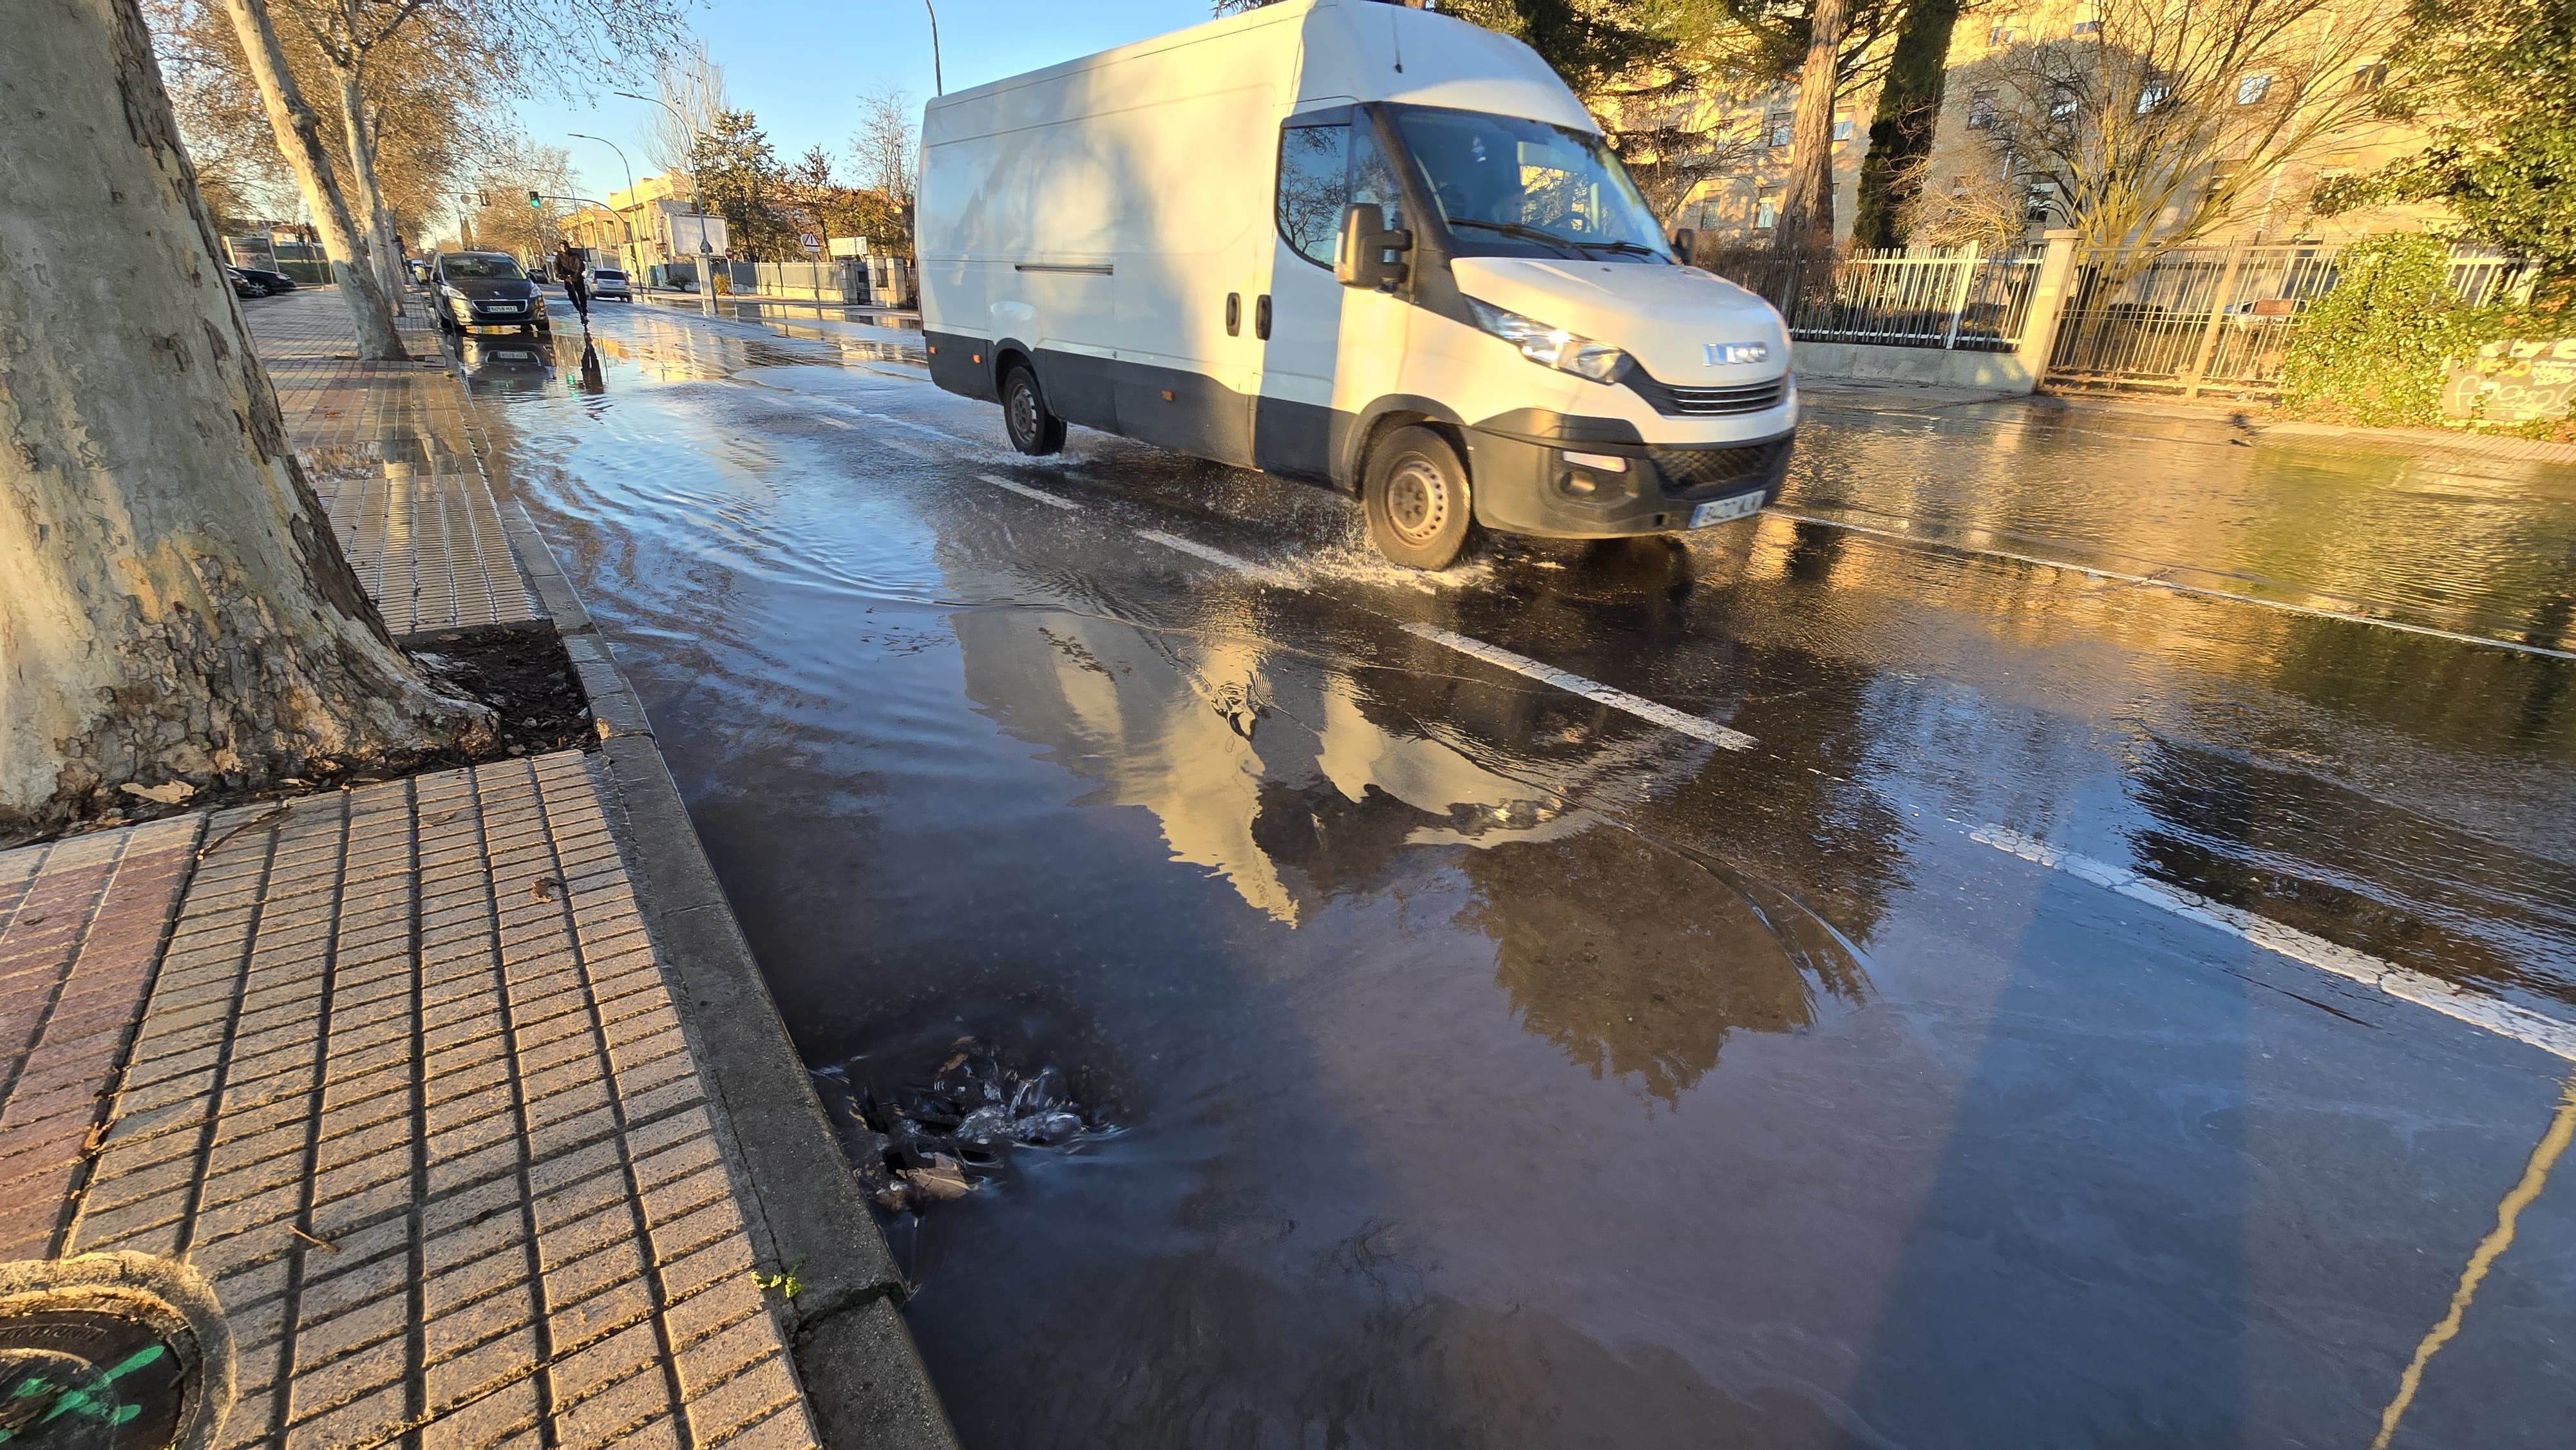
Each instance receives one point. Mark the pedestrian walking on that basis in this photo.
(568, 267)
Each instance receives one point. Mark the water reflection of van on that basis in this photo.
(1352, 242)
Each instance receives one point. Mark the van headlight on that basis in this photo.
(1547, 346)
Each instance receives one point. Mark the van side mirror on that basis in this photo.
(1361, 259)
(1684, 240)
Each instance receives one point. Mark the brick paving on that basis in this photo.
(391, 453)
(397, 1069)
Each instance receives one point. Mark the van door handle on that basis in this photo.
(1234, 314)
(1261, 317)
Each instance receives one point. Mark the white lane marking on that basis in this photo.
(2149, 580)
(1593, 690)
(2491, 1014)
(1041, 495)
(1216, 556)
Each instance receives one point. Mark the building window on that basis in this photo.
(1766, 213)
(2152, 95)
(2251, 90)
(1842, 128)
(2088, 27)
(2370, 75)
(2061, 103)
(1981, 110)
(2002, 35)
(2039, 201)
(1782, 130)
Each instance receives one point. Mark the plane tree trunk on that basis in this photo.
(361, 127)
(176, 613)
(299, 136)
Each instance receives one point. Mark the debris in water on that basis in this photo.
(933, 1142)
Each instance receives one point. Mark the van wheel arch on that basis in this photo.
(1389, 415)
(1007, 355)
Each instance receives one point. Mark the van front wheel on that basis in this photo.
(1034, 429)
(1415, 494)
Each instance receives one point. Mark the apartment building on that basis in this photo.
(2311, 87)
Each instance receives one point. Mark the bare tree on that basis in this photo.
(507, 172)
(2154, 126)
(299, 136)
(887, 146)
(692, 89)
(178, 613)
(1978, 206)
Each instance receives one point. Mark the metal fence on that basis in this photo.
(1957, 298)
(861, 280)
(2201, 319)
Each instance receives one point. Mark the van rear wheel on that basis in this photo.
(1416, 497)
(1034, 429)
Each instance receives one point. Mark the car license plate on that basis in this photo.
(1721, 510)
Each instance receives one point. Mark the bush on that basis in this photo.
(2370, 351)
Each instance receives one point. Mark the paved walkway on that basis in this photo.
(406, 1085)
(399, 1070)
(391, 455)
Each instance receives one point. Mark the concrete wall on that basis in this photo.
(1998, 371)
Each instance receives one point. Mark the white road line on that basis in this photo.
(2152, 582)
(1216, 556)
(1041, 495)
(1637, 705)
(2493, 1015)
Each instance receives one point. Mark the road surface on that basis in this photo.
(2062, 934)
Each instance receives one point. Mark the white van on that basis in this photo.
(1351, 242)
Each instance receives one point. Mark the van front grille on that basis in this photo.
(1696, 473)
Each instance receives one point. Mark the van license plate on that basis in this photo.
(1718, 512)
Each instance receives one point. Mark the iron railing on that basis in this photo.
(1955, 298)
(2214, 319)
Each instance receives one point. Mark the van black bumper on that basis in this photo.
(1525, 484)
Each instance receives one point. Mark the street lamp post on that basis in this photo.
(630, 196)
(938, 84)
(697, 199)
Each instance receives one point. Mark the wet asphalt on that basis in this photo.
(2108, 1000)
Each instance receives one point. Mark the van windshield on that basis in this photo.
(1513, 186)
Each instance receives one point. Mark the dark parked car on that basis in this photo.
(486, 289)
(267, 281)
(243, 286)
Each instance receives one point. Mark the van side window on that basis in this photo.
(1373, 177)
(1314, 186)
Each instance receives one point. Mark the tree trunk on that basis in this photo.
(361, 129)
(299, 136)
(1900, 131)
(177, 611)
(1807, 212)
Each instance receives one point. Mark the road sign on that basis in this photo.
(809, 241)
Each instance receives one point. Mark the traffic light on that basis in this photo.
(536, 202)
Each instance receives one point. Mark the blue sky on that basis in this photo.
(801, 64)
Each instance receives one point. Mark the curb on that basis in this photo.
(863, 1380)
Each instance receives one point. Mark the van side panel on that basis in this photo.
(1098, 215)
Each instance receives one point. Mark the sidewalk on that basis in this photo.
(1870, 395)
(459, 1095)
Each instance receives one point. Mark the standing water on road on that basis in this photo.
(1459, 1059)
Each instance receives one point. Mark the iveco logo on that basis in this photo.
(1720, 354)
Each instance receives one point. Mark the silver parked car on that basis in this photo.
(610, 282)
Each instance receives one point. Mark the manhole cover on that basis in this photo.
(89, 1377)
(110, 1352)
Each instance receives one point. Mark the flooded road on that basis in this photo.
(1921, 986)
